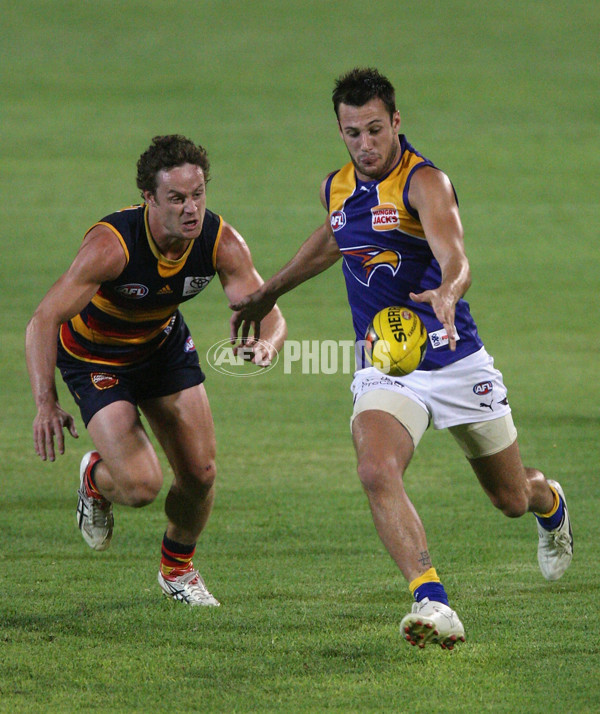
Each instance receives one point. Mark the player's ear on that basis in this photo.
(396, 121)
(149, 198)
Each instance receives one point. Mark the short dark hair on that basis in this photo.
(362, 84)
(166, 152)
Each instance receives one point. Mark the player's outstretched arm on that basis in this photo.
(239, 277)
(100, 258)
(432, 195)
(317, 253)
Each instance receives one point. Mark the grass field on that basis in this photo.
(501, 95)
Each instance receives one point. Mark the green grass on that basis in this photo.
(504, 97)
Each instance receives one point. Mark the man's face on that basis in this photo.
(371, 137)
(179, 203)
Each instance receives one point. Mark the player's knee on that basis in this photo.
(142, 490)
(206, 475)
(375, 473)
(512, 503)
(200, 479)
(143, 493)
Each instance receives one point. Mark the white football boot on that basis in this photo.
(94, 515)
(555, 547)
(432, 623)
(187, 587)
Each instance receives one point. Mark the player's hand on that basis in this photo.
(262, 353)
(47, 426)
(247, 316)
(443, 305)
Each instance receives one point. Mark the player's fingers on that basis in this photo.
(60, 439)
(420, 297)
(49, 443)
(234, 324)
(451, 332)
(245, 331)
(256, 326)
(39, 443)
(72, 427)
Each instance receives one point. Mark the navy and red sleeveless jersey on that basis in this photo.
(386, 255)
(130, 317)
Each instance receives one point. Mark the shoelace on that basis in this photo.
(562, 539)
(99, 512)
(195, 583)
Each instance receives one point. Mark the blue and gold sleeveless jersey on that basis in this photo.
(386, 255)
(130, 317)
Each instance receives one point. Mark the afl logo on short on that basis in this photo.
(101, 380)
(483, 388)
(189, 345)
(337, 220)
(135, 291)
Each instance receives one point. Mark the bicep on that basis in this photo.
(432, 195)
(100, 258)
(234, 266)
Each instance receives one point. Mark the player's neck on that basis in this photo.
(170, 246)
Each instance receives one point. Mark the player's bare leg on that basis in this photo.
(129, 472)
(510, 486)
(124, 470)
(184, 427)
(515, 490)
(384, 449)
(183, 424)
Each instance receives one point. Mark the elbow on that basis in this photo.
(468, 279)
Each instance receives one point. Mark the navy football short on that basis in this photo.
(172, 368)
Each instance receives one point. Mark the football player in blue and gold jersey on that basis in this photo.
(393, 220)
(112, 325)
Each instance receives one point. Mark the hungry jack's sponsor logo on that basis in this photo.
(385, 217)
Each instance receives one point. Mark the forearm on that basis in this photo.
(274, 329)
(456, 275)
(40, 352)
(315, 255)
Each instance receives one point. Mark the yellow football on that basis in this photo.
(396, 341)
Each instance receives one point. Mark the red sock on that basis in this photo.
(176, 557)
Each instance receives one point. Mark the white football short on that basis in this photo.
(467, 397)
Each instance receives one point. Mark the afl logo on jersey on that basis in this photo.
(483, 388)
(189, 345)
(385, 217)
(135, 291)
(337, 220)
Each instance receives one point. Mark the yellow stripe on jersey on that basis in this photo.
(391, 213)
(116, 232)
(98, 338)
(216, 245)
(127, 314)
(342, 186)
(391, 191)
(166, 268)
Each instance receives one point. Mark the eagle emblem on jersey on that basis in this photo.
(371, 258)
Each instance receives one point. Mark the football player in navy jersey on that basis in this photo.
(393, 219)
(123, 345)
